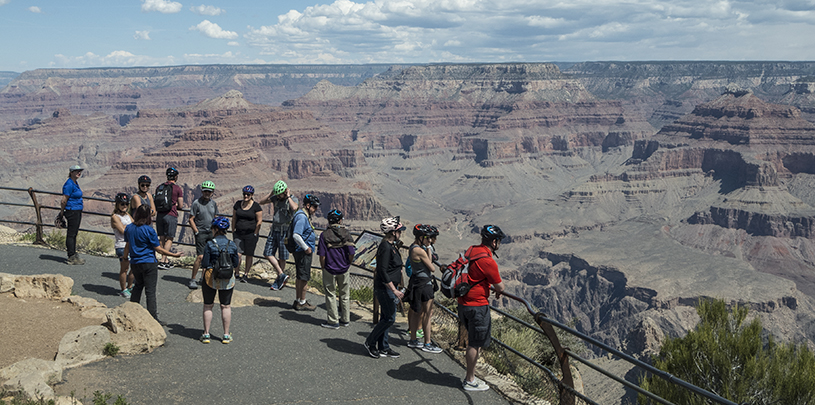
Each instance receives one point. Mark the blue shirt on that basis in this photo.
(143, 241)
(302, 226)
(74, 193)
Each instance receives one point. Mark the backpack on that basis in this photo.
(455, 280)
(222, 268)
(289, 241)
(164, 198)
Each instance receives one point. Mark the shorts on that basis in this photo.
(274, 243)
(246, 243)
(166, 225)
(478, 324)
(201, 241)
(120, 253)
(302, 265)
(420, 294)
(224, 296)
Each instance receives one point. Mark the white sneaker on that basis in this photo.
(193, 285)
(476, 385)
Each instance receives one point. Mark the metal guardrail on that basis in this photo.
(546, 325)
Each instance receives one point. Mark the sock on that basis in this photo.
(301, 301)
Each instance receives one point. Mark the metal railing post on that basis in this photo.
(39, 236)
(566, 398)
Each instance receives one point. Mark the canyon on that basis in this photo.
(629, 190)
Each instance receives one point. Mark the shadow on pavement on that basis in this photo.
(58, 259)
(175, 279)
(183, 331)
(302, 317)
(112, 276)
(101, 289)
(345, 346)
(413, 372)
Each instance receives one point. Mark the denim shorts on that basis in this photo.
(120, 253)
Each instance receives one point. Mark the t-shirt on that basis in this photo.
(479, 271)
(246, 219)
(143, 241)
(388, 265)
(176, 194)
(203, 211)
(302, 226)
(336, 259)
(74, 193)
(283, 213)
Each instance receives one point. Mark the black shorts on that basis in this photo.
(478, 324)
(201, 241)
(246, 243)
(224, 296)
(166, 225)
(302, 265)
(420, 294)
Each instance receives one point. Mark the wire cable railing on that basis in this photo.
(566, 395)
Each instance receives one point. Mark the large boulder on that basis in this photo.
(50, 286)
(83, 346)
(134, 329)
(88, 307)
(31, 377)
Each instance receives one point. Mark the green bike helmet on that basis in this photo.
(279, 187)
(208, 185)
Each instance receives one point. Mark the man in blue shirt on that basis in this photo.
(304, 236)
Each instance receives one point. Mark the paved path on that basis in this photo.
(279, 355)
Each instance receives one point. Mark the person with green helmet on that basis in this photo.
(202, 212)
(284, 205)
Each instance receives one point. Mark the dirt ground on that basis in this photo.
(34, 327)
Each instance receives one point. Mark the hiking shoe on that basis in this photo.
(371, 351)
(389, 353)
(415, 344)
(72, 260)
(204, 338)
(419, 333)
(281, 281)
(125, 293)
(193, 285)
(431, 348)
(331, 325)
(227, 339)
(296, 305)
(79, 260)
(306, 307)
(274, 286)
(476, 385)
(345, 324)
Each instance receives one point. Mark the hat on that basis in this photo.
(75, 168)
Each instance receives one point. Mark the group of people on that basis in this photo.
(137, 243)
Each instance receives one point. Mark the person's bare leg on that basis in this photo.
(123, 266)
(427, 308)
(207, 317)
(226, 317)
(471, 356)
(413, 323)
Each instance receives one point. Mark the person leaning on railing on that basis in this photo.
(71, 208)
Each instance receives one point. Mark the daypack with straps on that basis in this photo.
(289, 242)
(164, 198)
(455, 280)
(222, 268)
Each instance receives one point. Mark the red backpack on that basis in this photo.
(455, 280)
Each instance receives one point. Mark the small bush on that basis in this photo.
(22, 399)
(100, 398)
(362, 294)
(56, 238)
(317, 281)
(28, 237)
(94, 243)
(110, 350)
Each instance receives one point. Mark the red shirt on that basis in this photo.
(483, 273)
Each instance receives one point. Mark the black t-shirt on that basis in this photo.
(246, 219)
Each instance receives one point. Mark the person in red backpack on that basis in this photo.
(474, 307)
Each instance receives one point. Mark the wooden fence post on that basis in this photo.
(39, 240)
(566, 397)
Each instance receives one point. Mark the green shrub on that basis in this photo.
(362, 294)
(22, 399)
(728, 356)
(316, 280)
(94, 243)
(110, 350)
(56, 238)
(27, 237)
(100, 398)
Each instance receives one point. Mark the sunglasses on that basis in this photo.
(247, 194)
(144, 185)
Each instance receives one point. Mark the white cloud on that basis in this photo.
(212, 30)
(115, 58)
(207, 10)
(233, 43)
(162, 6)
(35, 9)
(4, 2)
(142, 35)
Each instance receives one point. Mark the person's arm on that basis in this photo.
(499, 288)
(236, 260)
(180, 204)
(383, 260)
(127, 250)
(258, 220)
(166, 252)
(135, 201)
(62, 204)
(422, 255)
(266, 200)
(293, 205)
(205, 260)
(152, 205)
(234, 216)
(191, 220)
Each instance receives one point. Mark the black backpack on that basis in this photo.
(222, 268)
(164, 198)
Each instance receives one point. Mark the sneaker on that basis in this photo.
(296, 305)
(79, 260)
(345, 324)
(162, 266)
(204, 338)
(71, 260)
(306, 307)
(193, 285)
(242, 279)
(476, 385)
(331, 325)
(282, 281)
(419, 333)
(371, 351)
(274, 286)
(125, 293)
(415, 344)
(227, 339)
(169, 265)
(431, 348)
(389, 353)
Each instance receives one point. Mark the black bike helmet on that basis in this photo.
(334, 216)
(172, 173)
(420, 230)
(492, 232)
(122, 198)
(311, 199)
(144, 180)
(433, 231)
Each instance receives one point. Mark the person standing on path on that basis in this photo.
(169, 199)
(142, 245)
(202, 212)
(212, 284)
(304, 236)
(336, 250)
(387, 275)
(142, 196)
(474, 307)
(284, 205)
(421, 287)
(119, 220)
(71, 209)
(247, 216)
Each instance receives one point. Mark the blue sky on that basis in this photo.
(94, 33)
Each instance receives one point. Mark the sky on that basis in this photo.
(103, 33)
